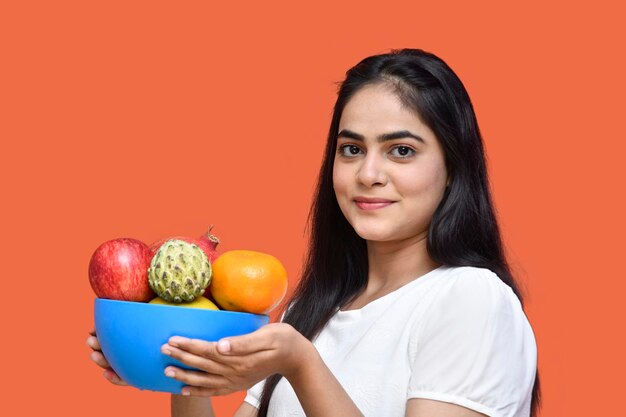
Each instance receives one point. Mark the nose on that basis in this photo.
(372, 170)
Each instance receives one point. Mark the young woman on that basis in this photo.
(406, 306)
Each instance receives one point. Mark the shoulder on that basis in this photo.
(472, 297)
(475, 344)
(474, 277)
(471, 285)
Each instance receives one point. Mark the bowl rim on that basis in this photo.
(98, 300)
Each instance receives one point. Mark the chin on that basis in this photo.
(389, 233)
(373, 234)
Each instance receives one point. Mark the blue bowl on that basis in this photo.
(131, 335)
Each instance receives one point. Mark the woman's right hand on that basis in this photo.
(100, 360)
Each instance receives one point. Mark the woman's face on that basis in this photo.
(389, 173)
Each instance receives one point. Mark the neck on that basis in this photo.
(393, 264)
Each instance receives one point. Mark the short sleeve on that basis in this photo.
(475, 348)
(253, 395)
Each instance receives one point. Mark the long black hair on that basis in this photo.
(463, 231)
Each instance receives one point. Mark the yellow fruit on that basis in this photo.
(245, 280)
(198, 302)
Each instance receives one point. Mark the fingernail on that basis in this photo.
(166, 351)
(170, 373)
(93, 356)
(223, 346)
(185, 392)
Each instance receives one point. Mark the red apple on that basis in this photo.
(118, 270)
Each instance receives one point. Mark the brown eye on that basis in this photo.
(349, 150)
(402, 152)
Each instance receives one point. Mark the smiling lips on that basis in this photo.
(365, 203)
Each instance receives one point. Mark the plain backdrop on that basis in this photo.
(151, 118)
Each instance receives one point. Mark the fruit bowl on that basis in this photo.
(131, 335)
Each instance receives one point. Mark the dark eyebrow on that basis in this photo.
(345, 133)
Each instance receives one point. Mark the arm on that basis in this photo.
(318, 391)
(320, 394)
(182, 406)
(237, 363)
(419, 407)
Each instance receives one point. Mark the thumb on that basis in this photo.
(243, 345)
(223, 346)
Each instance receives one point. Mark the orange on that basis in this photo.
(248, 281)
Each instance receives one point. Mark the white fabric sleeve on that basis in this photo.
(253, 395)
(475, 348)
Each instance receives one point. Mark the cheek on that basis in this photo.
(339, 182)
(426, 186)
(341, 187)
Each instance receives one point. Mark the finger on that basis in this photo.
(93, 343)
(114, 378)
(197, 378)
(99, 359)
(92, 332)
(196, 346)
(193, 360)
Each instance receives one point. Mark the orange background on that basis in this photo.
(150, 118)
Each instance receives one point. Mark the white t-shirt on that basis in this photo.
(455, 334)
